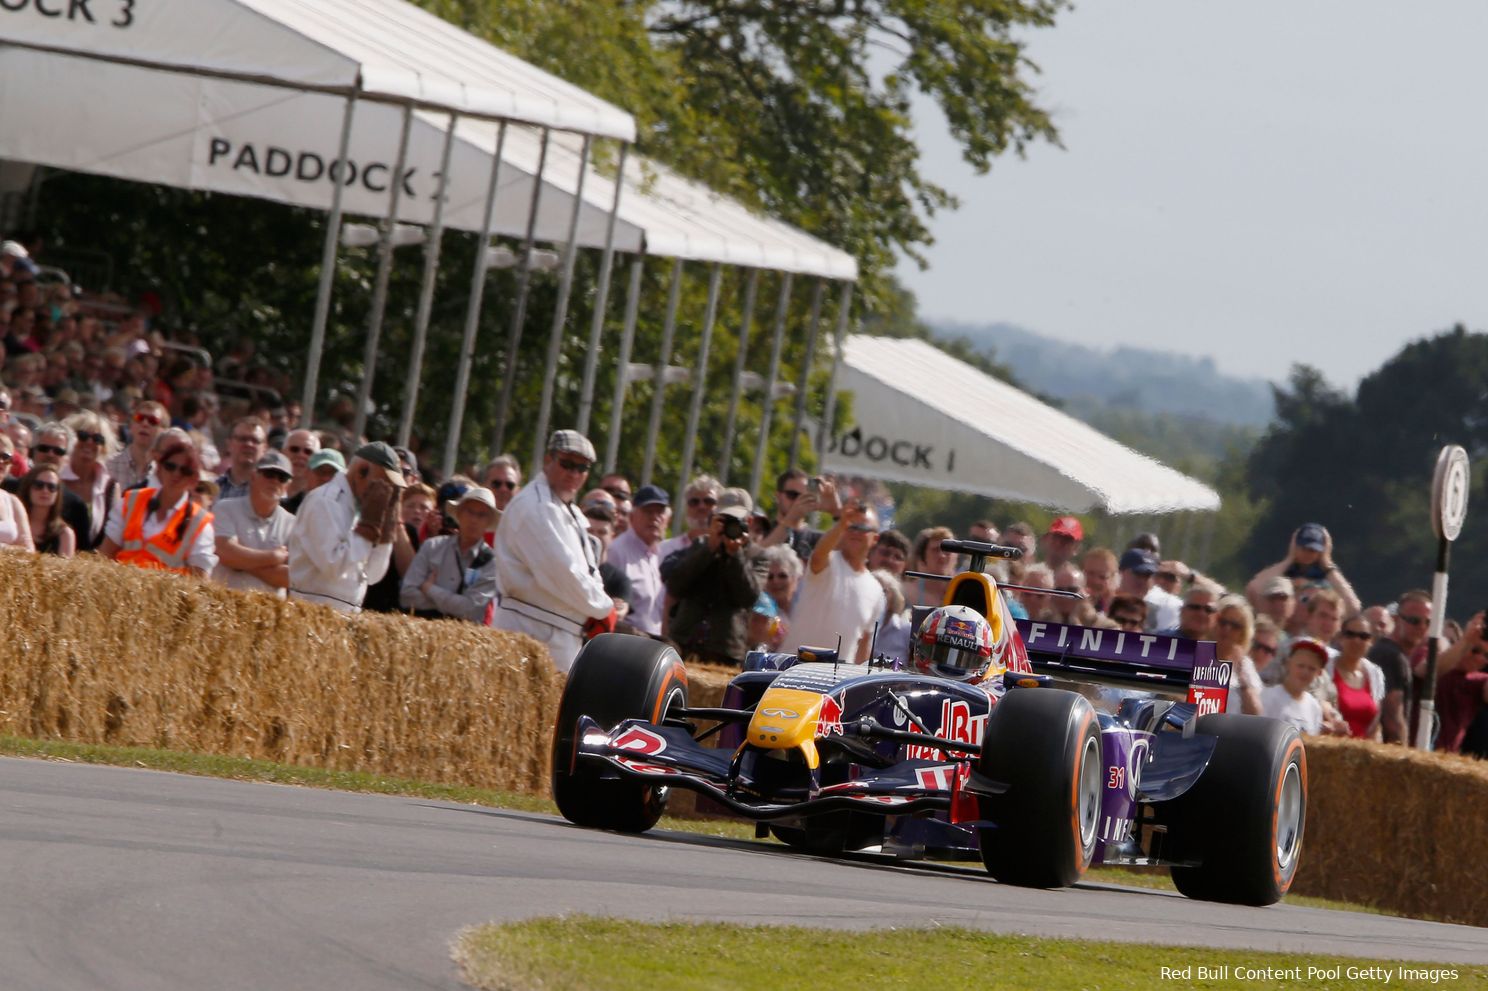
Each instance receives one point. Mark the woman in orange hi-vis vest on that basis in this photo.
(162, 528)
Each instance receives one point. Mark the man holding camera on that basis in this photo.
(714, 586)
(839, 597)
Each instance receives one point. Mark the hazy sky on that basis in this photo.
(1262, 182)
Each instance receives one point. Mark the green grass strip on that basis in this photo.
(595, 954)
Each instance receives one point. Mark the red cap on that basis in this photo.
(1068, 526)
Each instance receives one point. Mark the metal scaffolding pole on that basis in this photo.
(622, 362)
(699, 383)
(560, 315)
(746, 318)
(829, 414)
(767, 404)
(384, 273)
(653, 424)
(802, 387)
(519, 311)
(601, 303)
(432, 248)
(472, 313)
(327, 272)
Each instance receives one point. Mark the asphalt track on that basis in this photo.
(131, 879)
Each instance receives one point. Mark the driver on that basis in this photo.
(958, 643)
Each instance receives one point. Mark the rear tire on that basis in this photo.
(1044, 743)
(614, 678)
(1243, 820)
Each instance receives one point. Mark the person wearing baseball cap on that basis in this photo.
(342, 540)
(546, 565)
(1308, 563)
(1138, 571)
(1061, 542)
(454, 576)
(252, 531)
(637, 554)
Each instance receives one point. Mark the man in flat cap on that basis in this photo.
(546, 567)
(342, 539)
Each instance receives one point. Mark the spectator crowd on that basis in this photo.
(117, 442)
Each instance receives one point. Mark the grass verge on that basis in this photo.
(596, 954)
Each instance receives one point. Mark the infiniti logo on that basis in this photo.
(778, 713)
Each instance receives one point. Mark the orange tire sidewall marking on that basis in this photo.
(1296, 745)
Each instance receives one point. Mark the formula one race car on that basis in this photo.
(1038, 747)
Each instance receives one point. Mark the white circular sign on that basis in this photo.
(1449, 488)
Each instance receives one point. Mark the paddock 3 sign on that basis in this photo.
(885, 449)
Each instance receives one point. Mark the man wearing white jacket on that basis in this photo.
(545, 565)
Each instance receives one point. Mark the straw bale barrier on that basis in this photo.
(101, 653)
(1394, 828)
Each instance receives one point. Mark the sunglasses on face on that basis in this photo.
(83, 435)
(501, 484)
(576, 467)
(176, 468)
(52, 449)
(6, 457)
(792, 493)
(1211, 610)
(4, 405)
(1262, 648)
(696, 501)
(1229, 624)
(613, 490)
(297, 449)
(45, 486)
(1126, 621)
(1415, 620)
(1358, 634)
(149, 418)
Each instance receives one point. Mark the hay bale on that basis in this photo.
(101, 653)
(1395, 828)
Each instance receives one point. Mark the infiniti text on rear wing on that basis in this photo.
(1144, 660)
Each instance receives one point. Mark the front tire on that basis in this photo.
(1243, 820)
(1044, 744)
(615, 677)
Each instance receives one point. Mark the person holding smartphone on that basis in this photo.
(839, 597)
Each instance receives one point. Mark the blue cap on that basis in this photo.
(1141, 561)
(765, 606)
(1312, 536)
(650, 495)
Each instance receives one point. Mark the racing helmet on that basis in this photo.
(954, 642)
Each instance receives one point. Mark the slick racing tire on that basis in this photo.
(1243, 820)
(1045, 745)
(614, 678)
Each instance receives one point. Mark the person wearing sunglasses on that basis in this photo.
(699, 500)
(52, 446)
(162, 528)
(715, 585)
(1128, 613)
(797, 496)
(1234, 628)
(1397, 655)
(1358, 683)
(41, 497)
(15, 530)
(1196, 616)
(503, 476)
(839, 597)
(85, 475)
(131, 465)
(299, 447)
(253, 531)
(546, 567)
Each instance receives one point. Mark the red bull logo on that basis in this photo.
(956, 723)
(829, 721)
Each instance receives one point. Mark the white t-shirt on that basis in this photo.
(1243, 673)
(1304, 713)
(1163, 609)
(838, 600)
(235, 518)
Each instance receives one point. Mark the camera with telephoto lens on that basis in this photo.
(733, 529)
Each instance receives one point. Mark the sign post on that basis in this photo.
(1449, 487)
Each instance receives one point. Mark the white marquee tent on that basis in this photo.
(926, 418)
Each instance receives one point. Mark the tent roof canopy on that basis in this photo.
(926, 418)
(385, 49)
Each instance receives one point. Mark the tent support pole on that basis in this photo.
(472, 313)
(601, 302)
(627, 339)
(327, 274)
(746, 318)
(658, 381)
(767, 404)
(829, 413)
(384, 273)
(805, 381)
(699, 383)
(426, 290)
(1207, 543)
(560, 314)
(519, 311)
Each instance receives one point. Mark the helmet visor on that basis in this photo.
(955, 661)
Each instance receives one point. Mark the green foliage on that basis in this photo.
(1362, 467)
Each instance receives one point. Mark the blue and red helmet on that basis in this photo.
(954, 642)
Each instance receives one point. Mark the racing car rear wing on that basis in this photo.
(1146, 660)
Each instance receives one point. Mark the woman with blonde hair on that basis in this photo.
(927, 556)
(1234, 627)
(15, 529)
(85, 476)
